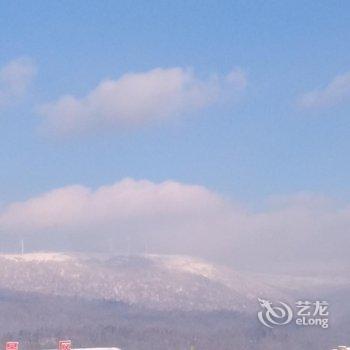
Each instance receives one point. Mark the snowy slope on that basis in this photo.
(160, 282)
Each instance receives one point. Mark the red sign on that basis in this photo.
(12, 345)
(63, 345)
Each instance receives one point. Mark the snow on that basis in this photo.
(40, 257)
(187, 264)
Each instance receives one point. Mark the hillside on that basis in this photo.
(150, 281)
(154, 302)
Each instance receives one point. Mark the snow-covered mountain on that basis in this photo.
(159, 282)
(151, 281)
(164, 302)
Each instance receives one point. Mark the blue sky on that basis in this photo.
(262, 144)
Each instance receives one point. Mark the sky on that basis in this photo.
(229, 117)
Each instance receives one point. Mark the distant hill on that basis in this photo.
(154, 302)
(150, 281)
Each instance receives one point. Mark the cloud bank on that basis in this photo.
(15, 78)
(336, 92)
(139, 98)
(176, 218)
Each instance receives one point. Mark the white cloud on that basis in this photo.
(15, 78)
(336, 92)
(138, 98)
(176, 218)
(128, 204)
